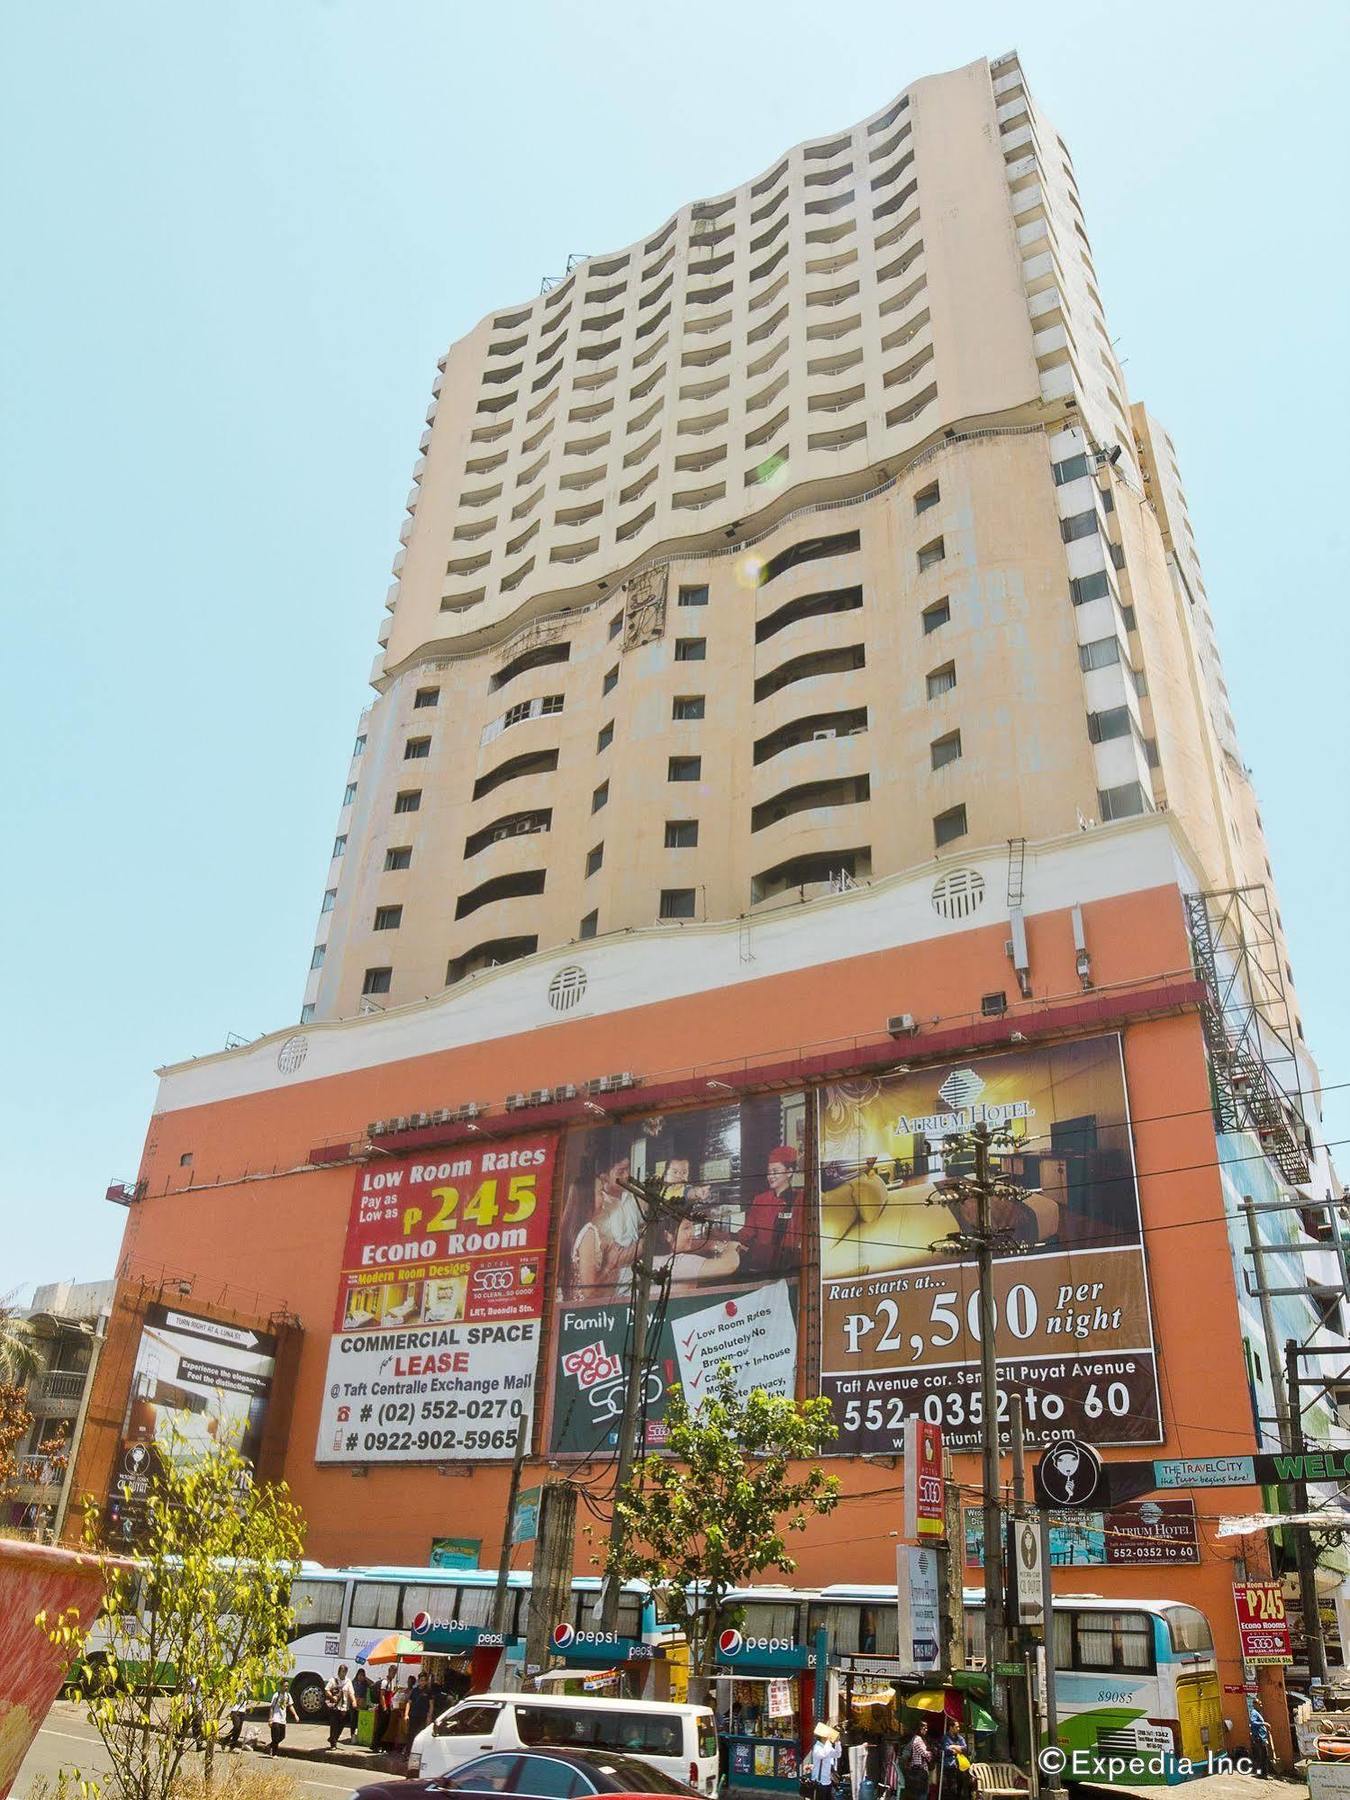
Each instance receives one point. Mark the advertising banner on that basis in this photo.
(923, 1491)
(1146, 1531)
(437, 1322)
(1263, 1625)
(198, 1385)
(727, 1266)
(899, 1322)
(919, 1602)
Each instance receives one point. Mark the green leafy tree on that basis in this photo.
(201, 1617)
(715, 1509)
(19, 1358)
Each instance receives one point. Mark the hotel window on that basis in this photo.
(1117, 554)
(416, 748)
(927, 497)
(1090, 587)
(687, 706)
(681, 834)
(358, 748)
(1113, 723)
(931, 553)
(410, 800)
(1099, 654)
(329, 900)
(388, 918)
(427, 697)
(1070, 469)
(604, 737)
(691, 649)
(316, 960)
(377, 981)
(339, 846)
(1122, 802)
(611, 680)
(939, 613)
(600, 797)
(1081, 525)
(400, 857)
(949, 825)
(941, 681)
(589, 926)
(1127, 613)
(677, 903)
(350, 794)
(693, 596)
(306, 1014)
(615, 625)
(945, 750)
(684, 768)
(594, 859)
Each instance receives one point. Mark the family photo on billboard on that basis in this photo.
(733, 1213)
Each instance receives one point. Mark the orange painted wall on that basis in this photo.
(251, 1242)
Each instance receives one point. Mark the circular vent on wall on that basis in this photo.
(958, 893)
(291, 1054)
(566, 988)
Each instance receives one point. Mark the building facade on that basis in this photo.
(799, 732)
(65, 1327)
(811, 538)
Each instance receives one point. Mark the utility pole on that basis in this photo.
(1307, 1560)
(981, 1188)
(650, 1196)
(995, 1576)
(509, 1528)
(1026, 1647)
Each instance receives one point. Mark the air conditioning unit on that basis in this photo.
(514, 1102)
(398, 1125)
(541, 1097)
(470, 1110)
(816, 736)
(442, 1116)
(566, 1092)
(598, 1085)
(419, 1121)
(626, 1080)
(902, 1025)
(377, 1128)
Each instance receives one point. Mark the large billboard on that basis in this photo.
(728, 1262)
(899, 1322)
(439, 1306)
(198, 1385)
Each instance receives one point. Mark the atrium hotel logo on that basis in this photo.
(960, 1093)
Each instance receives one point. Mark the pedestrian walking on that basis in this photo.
(824, 1761)
(279, 1708)
(238, 1709)
(1261, 1749)
(340, 1705)
(417, 1708)
(916, 1764)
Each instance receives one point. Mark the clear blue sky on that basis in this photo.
(238, 237)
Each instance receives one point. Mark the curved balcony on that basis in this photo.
(812, 621)
(505, 902)
(817, 758)
(508, 851)
(808, 665)
(838, 692)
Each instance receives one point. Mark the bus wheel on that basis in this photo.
(307, 1692)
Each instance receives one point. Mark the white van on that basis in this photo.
(681, 1741)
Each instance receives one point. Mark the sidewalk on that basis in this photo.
(309, 1743)
(1209, 1787)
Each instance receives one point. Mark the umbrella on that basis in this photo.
(927, 1702)
(980, 1719)
(394, 1648)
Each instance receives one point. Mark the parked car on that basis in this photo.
(536, 1775)
(680, 1740)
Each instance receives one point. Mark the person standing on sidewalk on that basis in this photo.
(279, 1708)
(340, 1701)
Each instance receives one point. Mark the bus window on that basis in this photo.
(375, 1606)
(1113, 1640)
(855, 1629)
(437, 1599)
(629, 1621)
(1188, 1629)
(769, 1619)
(975, 1641)
(317, 1604)
(1063, 1648)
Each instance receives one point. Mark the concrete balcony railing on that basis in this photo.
(56, 1395)
(815, 759)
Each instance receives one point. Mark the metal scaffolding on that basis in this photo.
(1247, 1024)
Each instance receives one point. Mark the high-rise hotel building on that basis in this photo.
(810, 539)
(799, 733)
